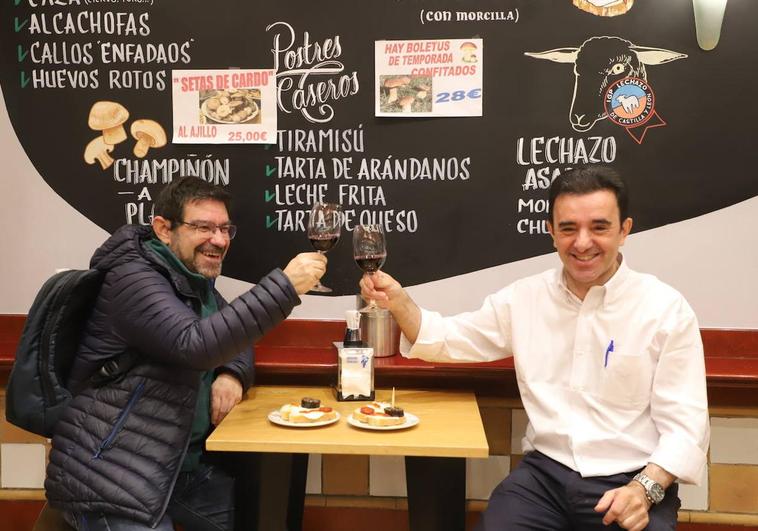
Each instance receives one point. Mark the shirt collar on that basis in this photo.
(609, 291)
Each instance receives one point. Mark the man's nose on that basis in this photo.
(583, 240)
(218, 239)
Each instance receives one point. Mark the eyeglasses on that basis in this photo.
(207, 229)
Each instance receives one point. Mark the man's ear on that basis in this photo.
(162, 229)
(552, 234)
(626, 228)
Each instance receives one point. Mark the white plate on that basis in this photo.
(410, 420)
(276, 418)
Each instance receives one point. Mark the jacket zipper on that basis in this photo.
(44, 366)
(105, 444)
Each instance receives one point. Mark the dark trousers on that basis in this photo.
(542, 494)
(202, 500)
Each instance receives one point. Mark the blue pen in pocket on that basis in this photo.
(607, 353)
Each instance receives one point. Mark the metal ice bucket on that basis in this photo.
(379, 330)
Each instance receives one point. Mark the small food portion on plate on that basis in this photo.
(310, 410)
(380, 414)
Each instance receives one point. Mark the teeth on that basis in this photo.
(584, 258)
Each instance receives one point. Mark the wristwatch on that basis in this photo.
(653, 490)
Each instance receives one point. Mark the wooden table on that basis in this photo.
(450, 429)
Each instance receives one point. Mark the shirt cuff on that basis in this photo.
(425, 347)
(681, 457)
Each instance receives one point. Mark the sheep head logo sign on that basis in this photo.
(599, 64)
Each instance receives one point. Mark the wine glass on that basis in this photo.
(370, 252)
(324, 226)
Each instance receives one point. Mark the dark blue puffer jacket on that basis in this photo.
(118, 448)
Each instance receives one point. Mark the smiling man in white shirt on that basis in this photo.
(609, 364)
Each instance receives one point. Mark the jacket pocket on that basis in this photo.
(121, 420)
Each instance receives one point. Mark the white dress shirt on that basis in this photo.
(596, 408)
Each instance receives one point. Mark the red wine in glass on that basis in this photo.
(370, 252)
(324, 227)
(371, 263)
(324, 242)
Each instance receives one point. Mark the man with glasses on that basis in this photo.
(128, 452)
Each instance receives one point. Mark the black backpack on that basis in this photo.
(37, 394)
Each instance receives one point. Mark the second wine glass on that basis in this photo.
(324, 228)
(370, 252)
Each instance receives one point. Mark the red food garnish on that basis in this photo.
(367, 410)
(325, 409)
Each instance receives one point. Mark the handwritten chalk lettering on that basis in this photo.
(44, 3)
(540, 178)
(391, 220)
(65, 78)
(353, 194)
(322, 140)
(458, 95)
(532, 226)
(485, 16)
(443, 71)
(533, 205)
(90, 22)
(436, 16)
(301, 167)
(247, 136)
(137, 79)
(341, 167)
(140, 213)
(122, 52)
(309, 97)
(562, 150)
(143, 171)
(429, 169)
(299, 194)
(61, 53)
(288, 220)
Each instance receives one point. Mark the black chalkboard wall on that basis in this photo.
(55, 66)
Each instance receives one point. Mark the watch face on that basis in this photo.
(656, 493)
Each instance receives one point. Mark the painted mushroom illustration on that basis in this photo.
(97, 150)
(149, 134)
(108, 117)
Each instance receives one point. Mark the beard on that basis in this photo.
(199, 263)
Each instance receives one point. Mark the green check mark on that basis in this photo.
(269, 195)
(24, 80)
(19, 27)
(270, 169)
(22, 54)
(270, 222)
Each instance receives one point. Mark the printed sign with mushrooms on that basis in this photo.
(469, 52)
(604, 8)
(405, 94)
(392, 84)
(149, 134)
(98, 150)
(108, 117)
